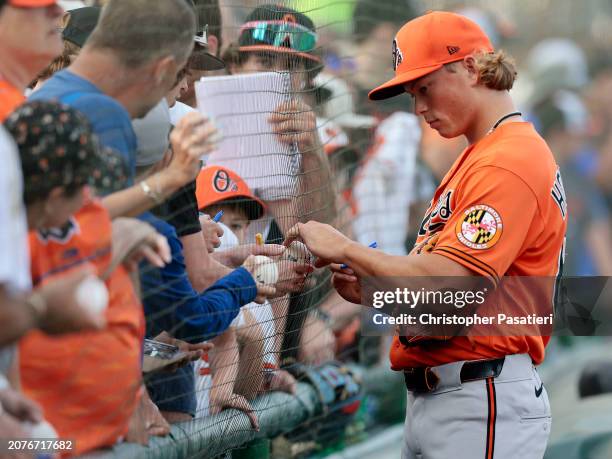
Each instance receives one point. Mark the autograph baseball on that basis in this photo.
(266, 271)
(298, 253)
(92, 294)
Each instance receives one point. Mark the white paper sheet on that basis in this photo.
(240, 106)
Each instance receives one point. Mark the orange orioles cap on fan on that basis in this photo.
(216, 184)
(426, 43)
(31, 3)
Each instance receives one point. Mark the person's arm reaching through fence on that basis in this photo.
(193, 137)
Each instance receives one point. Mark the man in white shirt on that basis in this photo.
(384, 187)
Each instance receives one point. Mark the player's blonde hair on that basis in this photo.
(496, 70)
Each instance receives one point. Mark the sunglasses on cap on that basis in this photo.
(281, 34)
(201, 37)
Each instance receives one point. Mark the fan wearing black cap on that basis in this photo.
(205, 56)
(76, 25)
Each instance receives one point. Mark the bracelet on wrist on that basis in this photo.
(155, 196)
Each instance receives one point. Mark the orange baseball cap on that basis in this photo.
(32, 3)
(216, 184)
(426, 43)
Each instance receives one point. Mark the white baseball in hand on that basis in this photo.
(92, 294)
(266, 271)
(40, 430)
(298, 253)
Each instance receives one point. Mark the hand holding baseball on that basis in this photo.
(265, 273)
(324, 241)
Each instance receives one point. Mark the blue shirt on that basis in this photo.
(109, 119)
(171, 304)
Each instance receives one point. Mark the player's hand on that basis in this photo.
(64, 313)
(212, 233)
(263, 291)
(192, 352)
(324, 241)
(193, 137)
(20, 407)
(294, 266)
(346, 283)
(237, 402)
(295, 122)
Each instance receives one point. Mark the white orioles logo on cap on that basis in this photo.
(398, 57)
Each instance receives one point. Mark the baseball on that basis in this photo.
(266, 271)
(92, 294)
(40, 430)
(298, 253)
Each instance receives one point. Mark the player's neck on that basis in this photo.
(494, 107)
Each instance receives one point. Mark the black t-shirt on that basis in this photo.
(181, 211)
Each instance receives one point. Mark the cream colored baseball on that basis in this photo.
(40, 430)
(298, 253)
(92, 294)
(266, 271)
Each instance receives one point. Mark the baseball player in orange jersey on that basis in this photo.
(477, 397)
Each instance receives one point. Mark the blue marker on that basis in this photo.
(373, 245)
(217, 217)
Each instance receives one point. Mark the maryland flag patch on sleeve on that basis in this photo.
(480, 227)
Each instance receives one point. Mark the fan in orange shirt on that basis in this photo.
(87, 383)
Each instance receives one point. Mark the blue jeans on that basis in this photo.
(173, 391)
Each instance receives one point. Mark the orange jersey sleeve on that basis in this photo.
(495, 216)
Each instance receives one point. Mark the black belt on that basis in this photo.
(423, 379)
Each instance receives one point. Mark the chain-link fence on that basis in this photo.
(249, 350)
